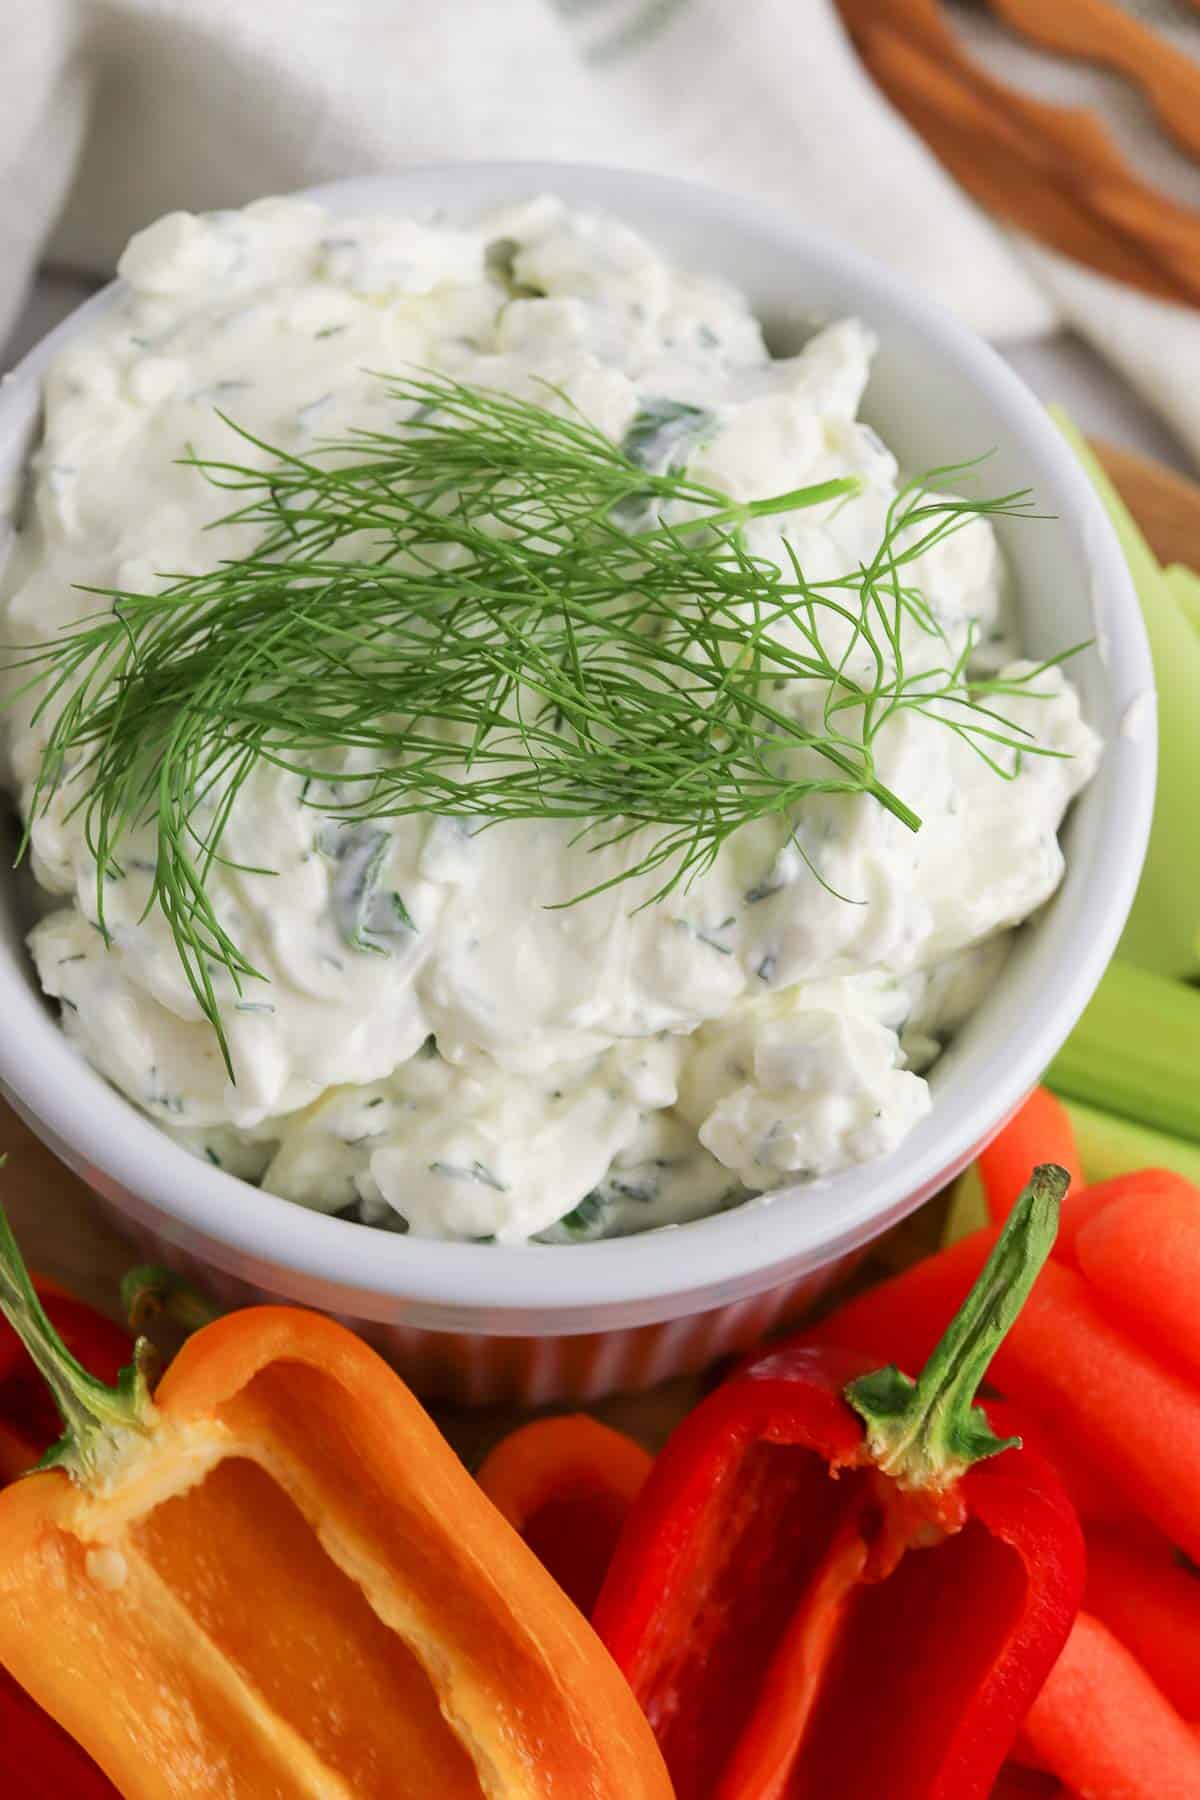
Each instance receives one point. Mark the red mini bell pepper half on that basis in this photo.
(841, 1581)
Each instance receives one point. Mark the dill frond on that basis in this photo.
(512, 618)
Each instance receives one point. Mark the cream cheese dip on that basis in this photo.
(439, 1044)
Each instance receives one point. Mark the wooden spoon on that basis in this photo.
(1101, 33)
(1051, 170)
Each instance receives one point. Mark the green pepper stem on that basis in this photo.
(150, 1291)
(98, 1421)
(927, 1433)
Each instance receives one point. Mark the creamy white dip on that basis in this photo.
(506, 1069)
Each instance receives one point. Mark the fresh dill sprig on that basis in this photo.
(508, 617)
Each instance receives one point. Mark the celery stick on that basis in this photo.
(1185, 585)
(968, 1206)
(1136, 1051)
(1163, 932)
(1109, 1146)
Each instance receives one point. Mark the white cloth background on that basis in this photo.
(114, 111)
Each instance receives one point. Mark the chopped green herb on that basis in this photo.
(628, 1188)
(666, 433)
(156, 1097)
(763, 890)
(367, 916)
(475, 1171)
(500, 260)
(709, 935)
(587, 1220)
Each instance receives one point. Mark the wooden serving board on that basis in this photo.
(62, 1235)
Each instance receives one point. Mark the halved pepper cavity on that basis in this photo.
(833, 1583)
(275, 1577)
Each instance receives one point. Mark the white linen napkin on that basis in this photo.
(114, 111)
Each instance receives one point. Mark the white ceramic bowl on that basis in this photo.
(484, 1322)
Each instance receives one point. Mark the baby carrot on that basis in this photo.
(1084, 1204)
(1131, 1415)
(1145, 1596)
(1142, 1254)
(1104, 1728)
(1093, 1494)
(904, 1317)
(1038, 1132)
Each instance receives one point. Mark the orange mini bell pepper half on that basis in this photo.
(276, 1578)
